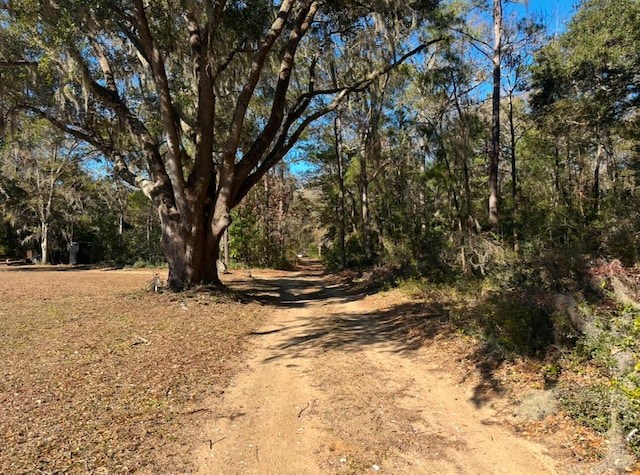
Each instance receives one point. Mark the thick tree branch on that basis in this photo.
(167, 112)
(284, 145)
(112, 100)
(201, 175)
(242, 104)
(104, 65)
(286, 142)
(120, 165)
(255, 152)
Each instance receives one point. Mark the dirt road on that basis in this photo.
(331, 386)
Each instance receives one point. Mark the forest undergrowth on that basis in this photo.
(567, 326)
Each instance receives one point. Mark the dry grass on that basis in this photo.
(101, 375)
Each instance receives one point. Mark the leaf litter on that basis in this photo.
(100, 375)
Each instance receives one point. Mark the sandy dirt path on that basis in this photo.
(329, 389)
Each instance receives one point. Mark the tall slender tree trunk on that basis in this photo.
(466, 209)
(45, 214)
(514, 175)
(337, 136)
(266, 222)
(495, 121)
(364, 208)
(281, 216)
(596, 181)
(370, 155)
(556, 175)
(225, 248)
(44, 242)
(422, 201)
(468, 218)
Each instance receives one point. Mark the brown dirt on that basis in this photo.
(101, 375)
(345, 383)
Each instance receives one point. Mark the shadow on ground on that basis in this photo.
(402, 329)
(298, 289)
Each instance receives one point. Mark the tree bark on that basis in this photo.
(514, 175)
(337, 136)
(44, 242)
(364, 209)
(495, 121)
(191, 245)
(225, 247)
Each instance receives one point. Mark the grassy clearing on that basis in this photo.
(101, 375)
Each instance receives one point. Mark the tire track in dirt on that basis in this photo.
(326, 391)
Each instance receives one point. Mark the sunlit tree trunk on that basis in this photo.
(282, 242)
(364, 208)
(225, 247)
(495, 115)
(266, 220)
(44, 242)
(337, 138)
(514, 174)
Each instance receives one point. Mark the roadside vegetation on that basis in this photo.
(579, 345)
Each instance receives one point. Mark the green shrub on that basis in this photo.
(516, 323)
(588, 404)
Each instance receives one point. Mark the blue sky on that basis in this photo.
(555, 12)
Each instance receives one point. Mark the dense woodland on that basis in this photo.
(453, 142)
(401, 171)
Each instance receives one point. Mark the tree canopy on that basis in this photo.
(193, 102)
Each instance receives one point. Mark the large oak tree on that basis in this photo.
(192, 101)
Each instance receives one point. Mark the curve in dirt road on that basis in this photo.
(329, 388)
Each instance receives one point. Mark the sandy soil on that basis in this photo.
(330, 388)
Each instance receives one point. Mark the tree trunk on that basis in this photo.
(266, 223)
(514, 175)
(464, 134)
(371, 154)
(44, 242)
(341, 204)
(225, 247)
(495, 123)
(596, 181)
(556, 176)
(191, 245)
(282, 254)
(364, 203)
(467, 191)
